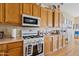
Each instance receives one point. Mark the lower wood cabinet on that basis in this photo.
(15, 52)
(3, 49)
(53, 43)
(48, 45)
(14, 45)
(12, 49)
(64, 41)
(60, 44)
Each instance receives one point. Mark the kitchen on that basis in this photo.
(33, 29)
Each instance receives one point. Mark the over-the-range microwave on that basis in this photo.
(28, 20)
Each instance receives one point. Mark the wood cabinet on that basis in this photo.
(1, 13)
(43, 17)
(12, 49)
(51, 44)
(15, 49)
(27, 8)
(57, 17)
(55, 43)
(15, 52)
(50, 18)
(3, 49)
(12, 13)
(48, 45)
(64, 41)
(36, 10)
(60, 41)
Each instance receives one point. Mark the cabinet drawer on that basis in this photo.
(15, 52)
(14, 45)
(3, 47)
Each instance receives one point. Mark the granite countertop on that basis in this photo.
(9, 40)
(53, 35)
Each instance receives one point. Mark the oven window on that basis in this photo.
(28, 20)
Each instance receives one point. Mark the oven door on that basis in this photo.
(30, 20)
(35, 50)
(28, 50)
(40, 48)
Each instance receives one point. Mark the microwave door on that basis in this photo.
(30, 20)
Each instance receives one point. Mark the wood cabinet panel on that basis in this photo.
(50, 18)
(55, 43)
(1, 13)
(60, 41)
(64, 42)
(14, 45)
(12, 13)
(36, 10)
(48, 45)
(56, 23)
(27, 8)
(3, 47)
(43, 17)
(15, 52)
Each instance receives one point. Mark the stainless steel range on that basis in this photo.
(33, 42)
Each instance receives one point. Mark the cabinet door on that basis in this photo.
(3, 49)
(15, 52)
(55, 43)
(43, 17)
(56, 23)
(64, 42)
(50, 18)
(60, 41)
(36, 10)
(1, 13)
(48, 45)
(27, 8)
(12, 13)
(14, 45)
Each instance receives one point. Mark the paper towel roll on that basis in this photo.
(13, 33)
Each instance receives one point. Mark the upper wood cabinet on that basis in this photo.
(1, 13)
(12, 13)
(43, 17)
(36, 10)
(57, 16)
(27, 8)
(50, 18)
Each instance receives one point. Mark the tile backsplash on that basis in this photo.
(7, 29)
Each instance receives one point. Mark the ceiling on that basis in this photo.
(71, 8)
